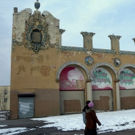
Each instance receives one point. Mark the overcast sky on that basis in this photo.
(103, 17)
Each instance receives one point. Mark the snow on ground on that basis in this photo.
(12, 131)
(3, 125)
(111, 121)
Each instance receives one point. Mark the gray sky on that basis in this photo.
(103, 17)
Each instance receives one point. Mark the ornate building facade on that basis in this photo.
(50, 79)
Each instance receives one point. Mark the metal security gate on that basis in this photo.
(26, 107)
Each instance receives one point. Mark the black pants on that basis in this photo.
(91, 131)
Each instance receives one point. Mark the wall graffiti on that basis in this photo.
(71, 78)
(127, 79)
(101, 79)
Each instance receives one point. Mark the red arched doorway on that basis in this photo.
(72, 81)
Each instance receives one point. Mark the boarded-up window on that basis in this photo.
(36, 36)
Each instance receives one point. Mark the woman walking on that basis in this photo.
(91, 120)
(84, 115)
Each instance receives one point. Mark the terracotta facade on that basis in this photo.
(38, 58)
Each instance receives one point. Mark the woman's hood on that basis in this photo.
(89, 109)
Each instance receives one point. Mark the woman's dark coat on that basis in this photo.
(91, 119)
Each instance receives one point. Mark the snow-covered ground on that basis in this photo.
(111, 122)
(12, 131)
(3, 125)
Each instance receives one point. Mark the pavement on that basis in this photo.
(50, 131)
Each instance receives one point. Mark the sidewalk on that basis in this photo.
(50, 131)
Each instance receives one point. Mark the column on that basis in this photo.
(87, 40)
(118, 95)
(115, 43)
(89, 90)
(61, 32)
(59, 103)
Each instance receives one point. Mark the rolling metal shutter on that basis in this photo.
(26, 107)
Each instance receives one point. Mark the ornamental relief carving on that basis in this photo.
(36, 36)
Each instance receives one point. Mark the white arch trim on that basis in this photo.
(72, 63)
(104, 64)
(126, 66)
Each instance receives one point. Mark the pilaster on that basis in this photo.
(89, 90)
(117, 94)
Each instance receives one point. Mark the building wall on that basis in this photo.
(32, 72)
(4, 98)
(39, 72)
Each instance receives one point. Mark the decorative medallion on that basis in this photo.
(89, 60)
(117, 62)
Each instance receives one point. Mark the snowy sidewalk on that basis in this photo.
(111, 121)
(71, 124)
